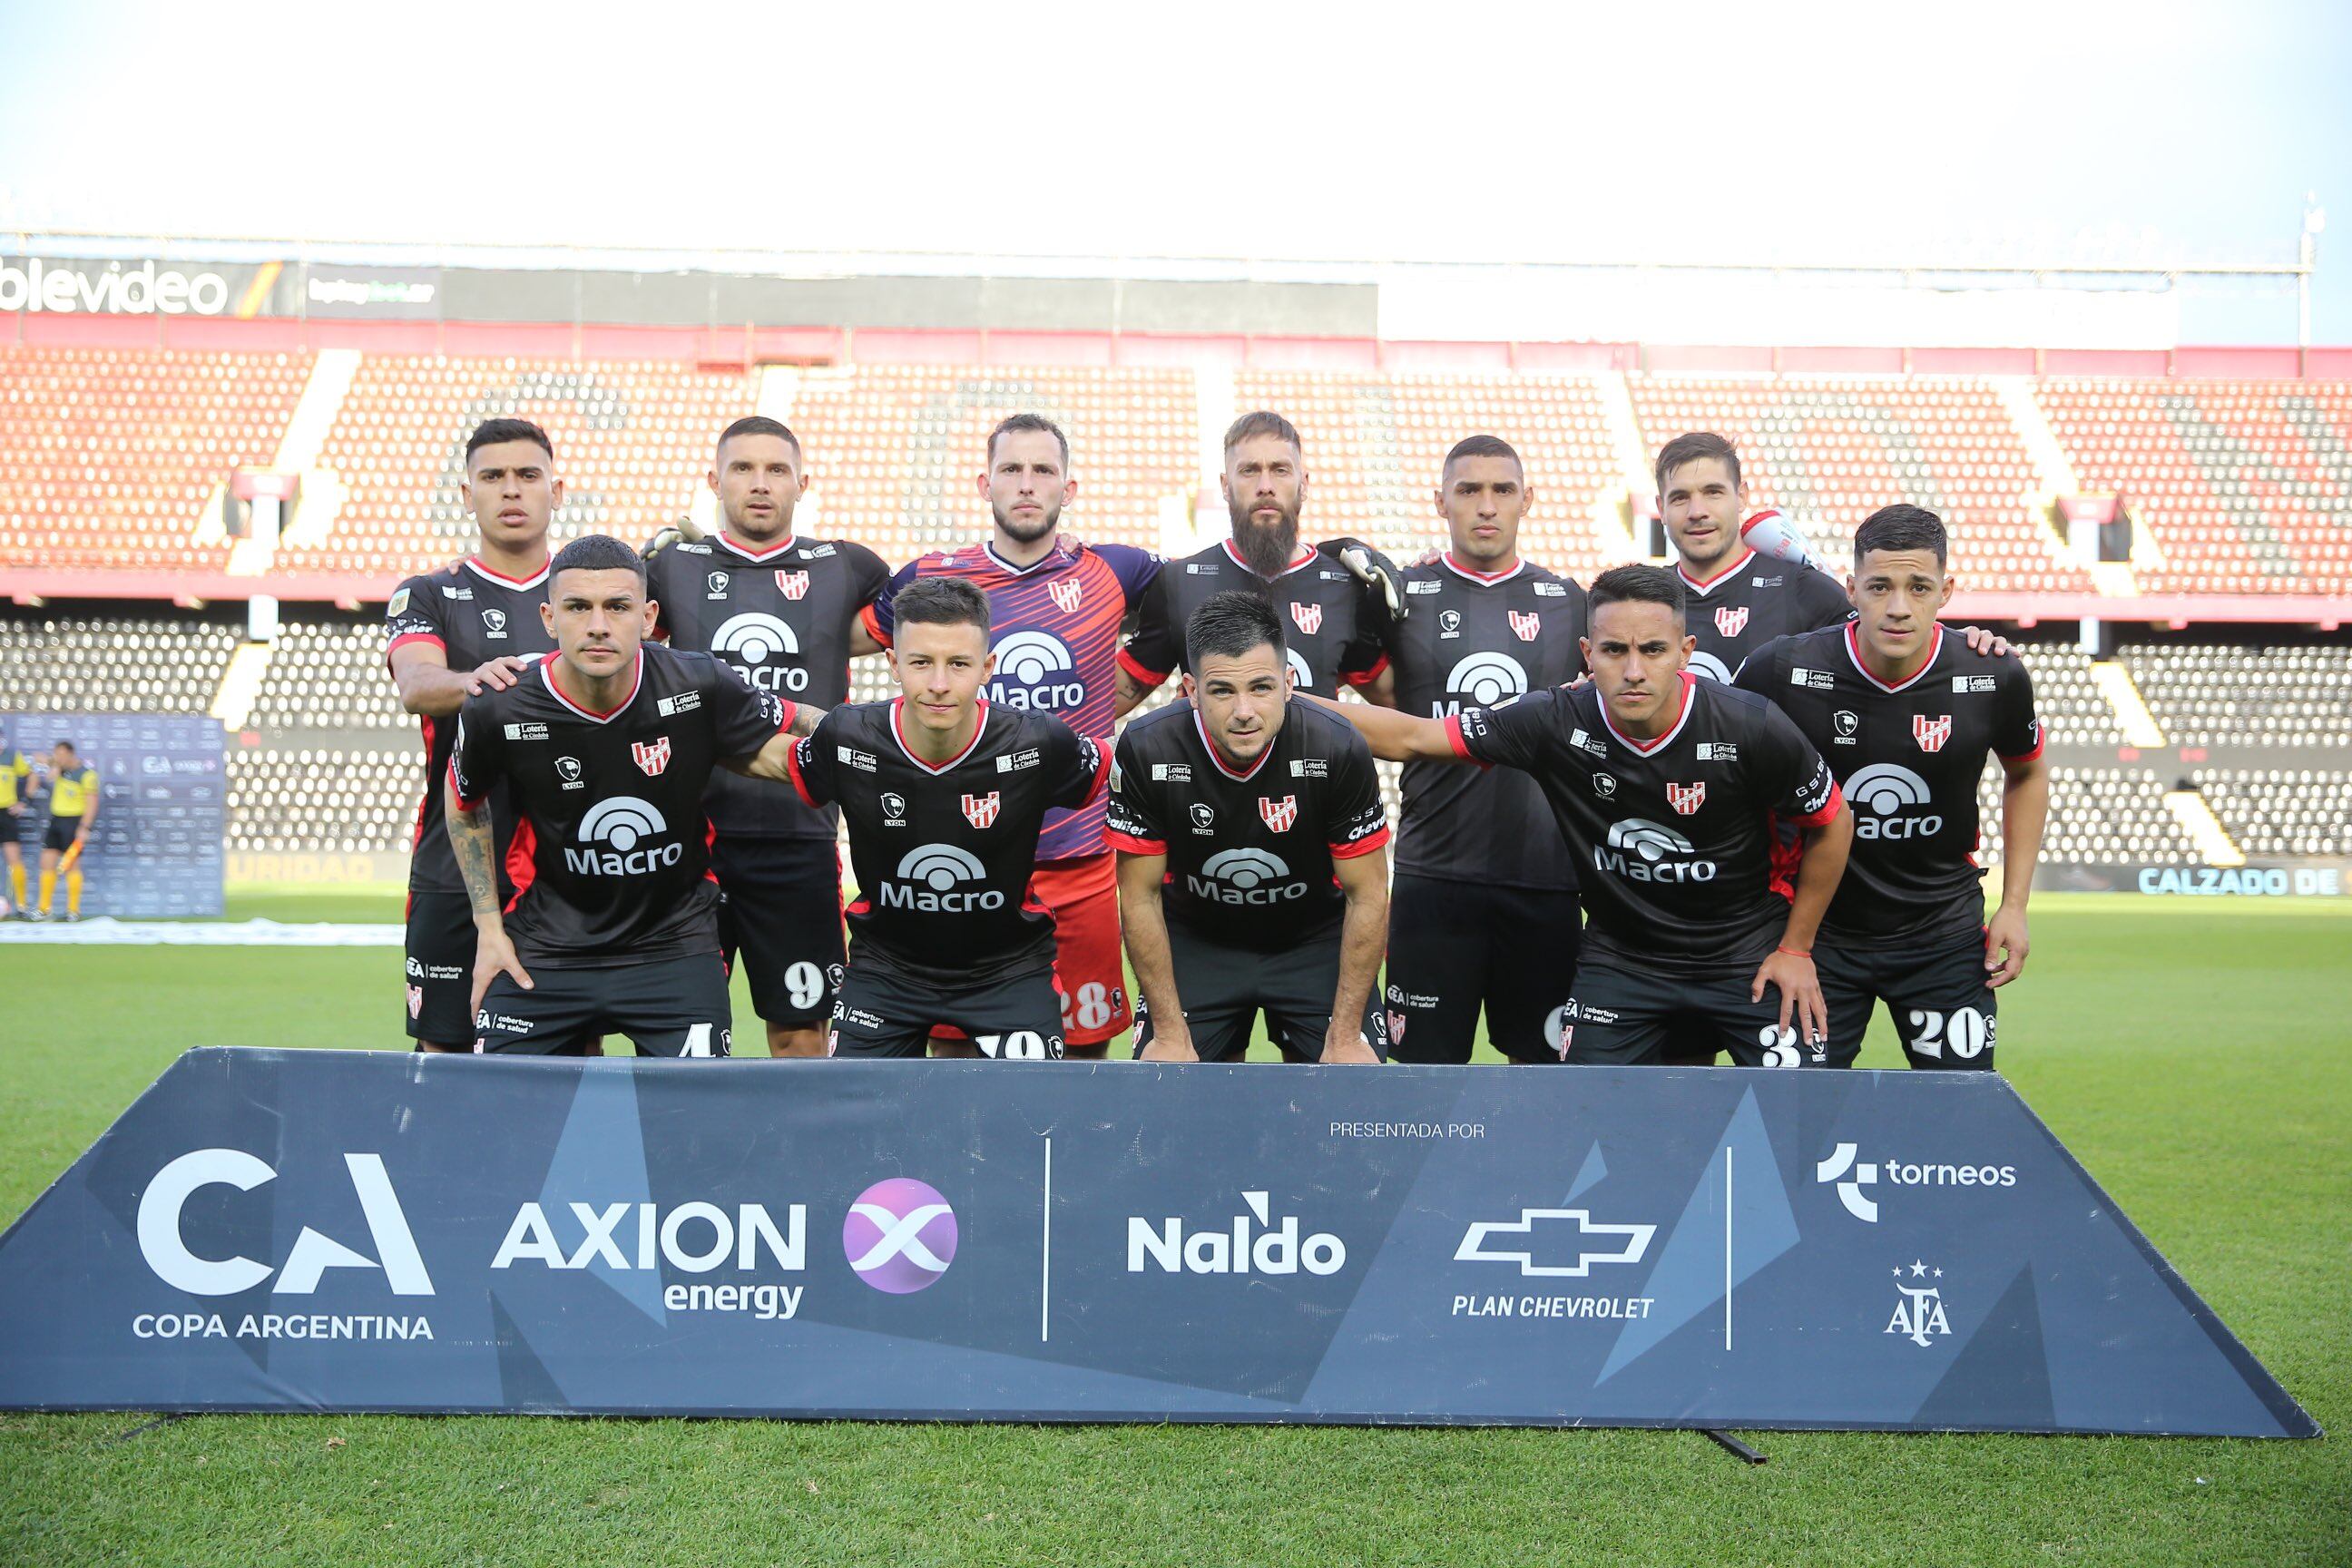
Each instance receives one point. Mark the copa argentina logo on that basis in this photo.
(1481, 680)
(1642, 851)
(613, 840)
(933, 878)
(1032, 673)
(1236, 1248)
(750, 640)
(1886, 799)
(1244, 877)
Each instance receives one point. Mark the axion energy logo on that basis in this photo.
(900, 1235)
(1481, 680)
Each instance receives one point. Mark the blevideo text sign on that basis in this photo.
(330, 1230)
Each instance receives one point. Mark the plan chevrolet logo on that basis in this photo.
(1490, 1241)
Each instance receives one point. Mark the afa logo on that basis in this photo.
(749, 641)
(1034, 672)
(1886, 801)
(615, 840)
(1481, 680)
(1244, 877)
(936, 879)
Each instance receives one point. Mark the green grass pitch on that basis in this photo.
(2196, 1058)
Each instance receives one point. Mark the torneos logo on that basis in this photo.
(613, 840)
(1707, 664)
(1642, 851)
(899, 1236)
(932, 879)
(750, 640)
(1244, 877)
(312, 1254)
(1032, 669)
(1481, 680)
(1884, 796)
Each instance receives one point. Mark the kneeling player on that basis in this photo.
(1253, 869)
(944, 793)
(605, 749)
(1906, 713)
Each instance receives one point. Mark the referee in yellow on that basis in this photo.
(16, 776)
(73, 807)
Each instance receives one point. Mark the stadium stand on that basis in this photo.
(2071, 706)
(107, 456)
(2098, 816)
(323, 800)
(127, 664)
(327, 675)
(2281, 813)
(2245, 487)
(2282, 696)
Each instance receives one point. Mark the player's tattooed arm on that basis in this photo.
(1363, 938)
(426, 684)
(2024, 808)
(1789, 969)
(472, 843)
(1140, 877)
(1131, 694)
(1394, 737)
(773, 760)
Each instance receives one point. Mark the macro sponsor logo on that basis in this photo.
(69, 289)
(1480, 680)
(1851, 1174)
(1885, 799)
(1269, 1247)
(1712, 668)
(613, 840)
(932, 879)
(1643, 851)
(1032, 673)
(750, 640)
(167, 1253)
(1244, 877)
(1299, 670)
(899, 1236)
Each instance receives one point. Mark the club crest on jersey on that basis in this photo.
(979, 810)
(1396, 1027)
(1685, 798)
(1278, 813)
(1525, 624)
(416, 1001)
(1066, 591)
(1731, 620)
(651, 756)
(794, 585)
(1309, 616)
(717, 581)
(1931, 733)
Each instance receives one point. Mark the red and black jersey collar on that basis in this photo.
(637, 684)
(1742, 559)
(1853, 652)
(1217, 758)
(1486, 579)
(1306, 557)
(502, 580)
(1648, 748)
(897, 719)
(747, 553)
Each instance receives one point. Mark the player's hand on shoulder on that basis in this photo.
(1984, 641)
(495, 675)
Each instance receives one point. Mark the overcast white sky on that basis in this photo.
(1829, 132)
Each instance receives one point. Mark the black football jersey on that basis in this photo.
(942, 856)
(1320, 601)
(1908, 758)
(1249, 852)
(472, 614)
(611, 856)
(1472, 639)
(780, 618)
(1674, 836)
(1745, 606)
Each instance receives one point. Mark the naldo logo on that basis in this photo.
(750, 640)
(1642, 851)
(933, 880)
(1481, 680)
(1032, 673)
(613, 840)
(1239, 1248)
(1244, 877)
(1886, 799)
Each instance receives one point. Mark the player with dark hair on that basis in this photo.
(1907, 714)
(1253, 866)
(73, 786)
(469, 627)
(1741, 600)
(1055, 605)
(606, 749)
(782, 612)
(1485, 909)
(1340, 597)
(946, 793)
(15, 785)
(1666, 785)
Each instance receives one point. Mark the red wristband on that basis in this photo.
(1792, 952)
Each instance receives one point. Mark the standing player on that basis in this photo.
(474, 626)
(782, 612)
(1484, 907)
(1738, 600)
(16, 781)
(1054, 607)
(1252, 856)
(607, 748)
(1664, 785)
(73, 790)
(1337, 622)
(1907, 713)
(946, 793)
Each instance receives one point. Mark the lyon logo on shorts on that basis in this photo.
(1067, 593)
(793, 583)
(652, 756)
(416, 1001)
(1309, 616)
(1685, 798)
(1931, 733)
(979, 810)
(1278, 813)
(1731, 622)
(1525, 624)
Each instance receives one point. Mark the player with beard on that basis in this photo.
(607, 748)
(946, 793)
(1250, 839)
(1665, 786)
(1484, 909)
(1056, 605)
(1906, 715)
(470, 628)
(783, 612)
(1340, 598)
